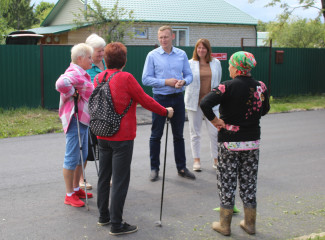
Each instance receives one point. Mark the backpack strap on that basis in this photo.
(110, 77)
(102, 80)
(127, 108)
(131, 101)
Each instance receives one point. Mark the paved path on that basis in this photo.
(291, 192)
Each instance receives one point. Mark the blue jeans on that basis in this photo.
(177, 125)
(72, 149)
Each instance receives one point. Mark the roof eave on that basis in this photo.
(53, 12)
(228, 23)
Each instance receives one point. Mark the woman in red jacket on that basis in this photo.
(115, 152)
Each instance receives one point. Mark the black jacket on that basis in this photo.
(243, 101)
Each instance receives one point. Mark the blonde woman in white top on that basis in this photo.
(206, 76)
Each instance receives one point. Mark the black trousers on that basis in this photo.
(114, 159)
(93, 137)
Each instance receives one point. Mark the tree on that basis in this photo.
(288, 10)
(19, 14)
(112, 24)
(261, 26)
(298, 33)
(42, 10)
(3, 28)
(3, 21)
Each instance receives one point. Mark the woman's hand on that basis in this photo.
(218, 123)
(170, 111)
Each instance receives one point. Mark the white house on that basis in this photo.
(220, 22)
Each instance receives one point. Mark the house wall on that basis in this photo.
(218, 35)
(78, 36)
(66, 14)
(222, 35)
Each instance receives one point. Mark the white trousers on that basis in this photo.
(195, 119)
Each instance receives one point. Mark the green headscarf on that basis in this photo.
(243, 61)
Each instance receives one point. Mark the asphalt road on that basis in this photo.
(291, 188)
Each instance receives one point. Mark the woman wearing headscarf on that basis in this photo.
(243, 101)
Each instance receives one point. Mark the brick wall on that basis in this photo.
(218, 35)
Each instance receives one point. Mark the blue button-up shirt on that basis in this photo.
(160, 65)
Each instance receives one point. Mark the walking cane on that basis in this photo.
(80, 145)
(158, 223)
(93, 150)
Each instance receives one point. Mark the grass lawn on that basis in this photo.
(28, 121)
(292, 103)
(32, 121)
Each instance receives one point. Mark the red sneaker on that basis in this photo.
(73, 201)
(82, 194)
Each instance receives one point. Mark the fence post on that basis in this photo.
(270, 66)
(42, 75)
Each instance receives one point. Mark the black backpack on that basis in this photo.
(104, 121)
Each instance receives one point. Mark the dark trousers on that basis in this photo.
(177, 125)
(233, 165)
(91, 156)
(114, 159)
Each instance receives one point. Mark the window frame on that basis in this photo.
(177, 29)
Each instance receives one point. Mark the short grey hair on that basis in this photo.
(95, 41)
(80, 50)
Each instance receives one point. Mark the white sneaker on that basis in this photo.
(197, 167)
(88, 185)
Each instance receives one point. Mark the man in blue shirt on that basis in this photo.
(167, 70)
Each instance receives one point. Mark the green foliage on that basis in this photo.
(304, 4)
(42, 10)
(288, 9)
(261, 26)
(3, 21)
(112, 24)
(19, 14)
(3, 28)
(300, 33)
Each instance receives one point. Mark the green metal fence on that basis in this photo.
(29, 73)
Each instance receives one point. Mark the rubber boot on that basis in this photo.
(248, 224)
(223, 226)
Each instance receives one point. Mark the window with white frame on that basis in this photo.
(181, 36)
(141, 32)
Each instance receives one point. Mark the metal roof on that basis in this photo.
(55, 29)
(190, 11)
(178, 11)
